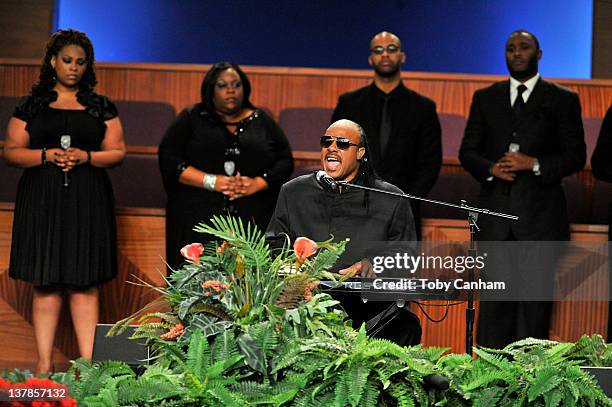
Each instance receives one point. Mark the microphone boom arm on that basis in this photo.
(463, 206)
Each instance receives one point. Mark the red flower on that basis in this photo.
(193, 252)
(304, 248)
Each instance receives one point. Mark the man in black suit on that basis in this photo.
(522, 137)
(601, 162)
(402, 126)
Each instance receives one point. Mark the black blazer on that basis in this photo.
(550, 129)
(413, 156)
(601, 161)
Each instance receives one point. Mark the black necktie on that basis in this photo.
(385, 125)
(519, 103)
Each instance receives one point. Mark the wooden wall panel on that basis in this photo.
(141, 246)
(601, 66)
(26, 26)
(277, 88)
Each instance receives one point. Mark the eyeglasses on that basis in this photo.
(341, 143)
(379, 49)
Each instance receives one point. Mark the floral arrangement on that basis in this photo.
(241, 324)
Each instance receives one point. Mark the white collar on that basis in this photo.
(530, 84)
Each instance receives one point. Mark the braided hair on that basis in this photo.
(59, 40)
(366, 171)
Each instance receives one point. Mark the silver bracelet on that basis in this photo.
(209, 182)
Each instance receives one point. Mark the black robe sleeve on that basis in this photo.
(471, 153)
(429, 159)
(572, 155)
(171, 152)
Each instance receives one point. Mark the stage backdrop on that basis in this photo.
(463, 36)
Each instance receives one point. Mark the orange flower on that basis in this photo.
(193, 252)
(222, 248)
(304, 248)
(174, 333)
(308, 290)
(215, 285)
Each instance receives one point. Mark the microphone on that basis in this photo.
(65, 144)
(512, 148)
(326, 181)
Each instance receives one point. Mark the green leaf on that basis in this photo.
(253, 354)
(186, 305)
(545, 380)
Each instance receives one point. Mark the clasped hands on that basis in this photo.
(510, 163)
(66, 159)
(239, 186)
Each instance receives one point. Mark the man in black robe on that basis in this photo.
(402, 126)
(307, 207)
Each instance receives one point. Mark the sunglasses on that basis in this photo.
(341, 143)
(379, 49)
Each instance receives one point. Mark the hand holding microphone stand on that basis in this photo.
(65, 145)
(472, 217)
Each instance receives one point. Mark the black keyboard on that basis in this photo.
(393, 289)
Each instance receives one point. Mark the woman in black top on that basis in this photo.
(64, 239)
(222, 155)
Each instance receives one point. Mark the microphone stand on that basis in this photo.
(472, 217)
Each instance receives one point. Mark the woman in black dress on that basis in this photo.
(221, 155)
(64, 238)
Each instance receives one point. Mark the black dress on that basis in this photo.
(198, 139)
(64, 236)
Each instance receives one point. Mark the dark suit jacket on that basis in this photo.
(602, 156)
(550, 129)
(601, 162)
(413, 156)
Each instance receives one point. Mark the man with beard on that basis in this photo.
(402, 126)
(308, 206)
(522, 137)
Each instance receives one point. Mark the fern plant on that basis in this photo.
(242, 326)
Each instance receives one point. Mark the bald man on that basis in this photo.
(402, 126)
(307, 207)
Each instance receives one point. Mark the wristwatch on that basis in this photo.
(536, 167)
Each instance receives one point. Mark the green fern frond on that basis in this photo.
(147, 391)
(325, 259)
(498, 361)
(488, 397)
(227, 398)
(355, 378)
(341, 393)
(370, 395)
(401, 395)
(94, 377)
(488, 378)
(250, 241)
(198, 355)
(264, 335)
(224, 346)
